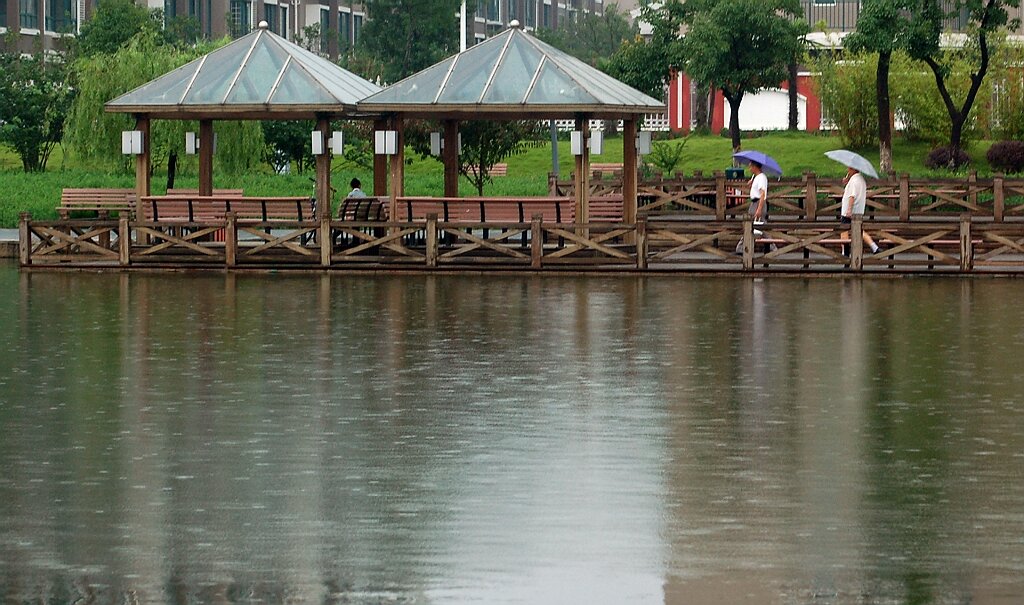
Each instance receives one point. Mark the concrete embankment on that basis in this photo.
(8, 243)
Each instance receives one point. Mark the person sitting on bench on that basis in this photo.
(356, 191)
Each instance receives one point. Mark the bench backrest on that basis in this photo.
(216, 192)
(363, 209)
(72, 196)
(196, 208)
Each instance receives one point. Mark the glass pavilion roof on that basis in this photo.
(260, 70)
(512, 71)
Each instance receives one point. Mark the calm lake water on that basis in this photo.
(510, 439)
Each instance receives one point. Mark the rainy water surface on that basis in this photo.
(510, 439)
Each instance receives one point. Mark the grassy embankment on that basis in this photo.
(527, 173)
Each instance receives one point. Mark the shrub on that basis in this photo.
(939, 158)
(1007, 156)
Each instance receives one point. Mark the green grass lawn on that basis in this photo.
(527, 172)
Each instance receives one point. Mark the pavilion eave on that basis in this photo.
(242, 112)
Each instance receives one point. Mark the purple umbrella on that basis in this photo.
(768, 164)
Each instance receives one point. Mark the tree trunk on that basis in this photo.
(884, 113)
(700, 106)
(734, 120)
(794, 115)
(956, 132)
(172, 168)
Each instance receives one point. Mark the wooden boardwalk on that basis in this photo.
(968, 225)
(957, 246)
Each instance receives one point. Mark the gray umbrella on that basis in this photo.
(853, 160)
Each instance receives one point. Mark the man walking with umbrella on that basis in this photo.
(855, 194)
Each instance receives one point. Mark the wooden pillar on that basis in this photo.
(124, 240)
(998, 198)
(857, 242)
(748, 242)
(582, 178)
(810, 196)
(323, 170)
(397, 188)
(24, 239)
(629, 171)
(432, 239)
(966, 245)
(326, 241)
(380, 166)
(230, 239)
(641, 242)
(721, 201)
(904, 197)
(205, 157)
(972, 182)
(142, 160)
(450, 156)
(536, 241)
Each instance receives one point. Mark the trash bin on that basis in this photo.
(734, 173)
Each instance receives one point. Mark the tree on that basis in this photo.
(486, 142)
(593, 37)
(741, 46)
(641, 65)
(113, 24)
(409, 35)
(35, 94)
(985, 18)
(882, 28)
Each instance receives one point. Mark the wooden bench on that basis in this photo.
(600, 170)
(100, 201)
(217, 192)
(363, 209)
(500, 169)
(195, 208)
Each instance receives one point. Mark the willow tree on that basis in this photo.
(741, 46)
(95, 135)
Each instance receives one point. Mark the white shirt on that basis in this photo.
(758, 185)
(856, 188)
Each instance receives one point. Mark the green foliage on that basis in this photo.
(485, 143)
(593, 37)
(35, 94)
(1007, 79)
(240, 146)
(639, 64)
(667, 155)
(847, 91)
(288, 143)
(113, 24)
(409, 35)
(918, 103)
(741, 45)
(94, 135)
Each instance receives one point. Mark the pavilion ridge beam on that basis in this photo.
(536, 77)
(192, 81)
(241, 68)
(280, 76)
(447, 77)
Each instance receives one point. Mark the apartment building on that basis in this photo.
(50, 21)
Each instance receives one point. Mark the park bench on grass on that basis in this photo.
(600, 170)
(100, 201)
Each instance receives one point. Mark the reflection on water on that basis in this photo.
(519, 439)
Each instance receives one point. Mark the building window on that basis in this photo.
(3, 13)
(547, 16)
(170, 11)
(345, 30)
(193, 8)
(208, 23)
(241, 18)
(531, 13)
(325, 26)
(28, 14)
(357, 26)
(271, 15)
(60, 16)
(513, 12)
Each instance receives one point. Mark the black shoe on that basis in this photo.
(846, 250)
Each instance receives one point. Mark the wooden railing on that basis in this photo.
(962, 245)
(812, 198)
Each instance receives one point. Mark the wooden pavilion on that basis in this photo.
(260, 76)
(514, 76)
